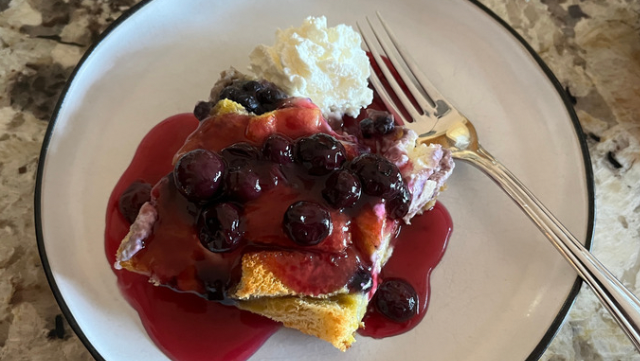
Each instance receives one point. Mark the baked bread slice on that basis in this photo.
(323, 289)
(332, 319)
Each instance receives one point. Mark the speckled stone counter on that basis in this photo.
(593, 47)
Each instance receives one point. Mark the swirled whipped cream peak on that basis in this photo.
(325, 64)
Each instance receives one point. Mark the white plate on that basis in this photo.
(501, 290)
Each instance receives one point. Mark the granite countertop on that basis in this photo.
(593, 47)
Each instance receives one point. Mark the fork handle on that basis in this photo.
(623, 305)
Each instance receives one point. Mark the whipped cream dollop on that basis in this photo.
(315, 61)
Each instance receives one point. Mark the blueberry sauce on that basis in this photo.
(310, 253)
(166, 313)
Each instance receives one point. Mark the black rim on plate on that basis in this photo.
(535, 353)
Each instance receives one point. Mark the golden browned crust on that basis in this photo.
(334, 319)
(258, 281)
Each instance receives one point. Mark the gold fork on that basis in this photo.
(437, 121)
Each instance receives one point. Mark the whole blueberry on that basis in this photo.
(342, 189)
(361, 280)
(278, 149)
(397, 300)
(198, 174)
(202, 110)
(242, 183)
(397, 207)
(248, 101)
(220, 227)
(307, 223)
(378, 176)
(320, 153)
(251, 86)
(368, 128)
(384, 124)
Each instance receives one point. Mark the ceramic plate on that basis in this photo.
(501, 290)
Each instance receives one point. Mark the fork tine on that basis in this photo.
(406, 103)
(426, 85)
(424, 102)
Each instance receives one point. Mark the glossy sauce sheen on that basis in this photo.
(418, 250)
(173, 255)
(186, 326)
